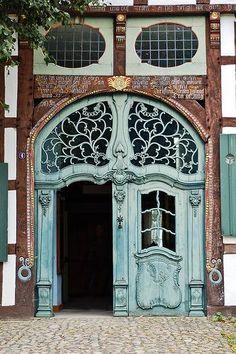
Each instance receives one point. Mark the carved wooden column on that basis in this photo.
(214, 244)
(44, 252)
(120, 43)
(196, 255)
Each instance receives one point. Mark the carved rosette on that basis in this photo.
(44, 200)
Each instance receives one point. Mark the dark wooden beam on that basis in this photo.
(24, 291)
(214, 245)
(229, 122)
(202, 7)
(120, 44)
(228, 60)
(229, 248)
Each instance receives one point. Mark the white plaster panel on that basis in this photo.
(229, 240)
(230, 279)
(9, 281)
(229, 130)
(227, 34)
(171, 2)
(12, 217)
(11, 87)
(228, 90)
(10, 151)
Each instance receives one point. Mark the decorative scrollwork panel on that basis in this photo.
(81, 137)
(158, 281)
(158, 138)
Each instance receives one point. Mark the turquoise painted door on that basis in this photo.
(159, 242)
(155, 161)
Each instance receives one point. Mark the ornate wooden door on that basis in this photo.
(158, 250)
(155, 161)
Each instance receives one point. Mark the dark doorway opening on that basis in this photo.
(86, 246)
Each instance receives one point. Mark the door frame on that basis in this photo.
(47, 200)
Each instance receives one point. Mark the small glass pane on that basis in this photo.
(158, 220)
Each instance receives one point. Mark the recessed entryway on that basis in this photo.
(85, 246)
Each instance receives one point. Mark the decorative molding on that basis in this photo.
(44, 199)
(24, 271)
(121, 298)
(189, 87)
(157, 281)
(44, 308)
(120, 197)
(196, 298)
(215, 30)
(119, 83)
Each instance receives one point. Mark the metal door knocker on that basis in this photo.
(24, 272)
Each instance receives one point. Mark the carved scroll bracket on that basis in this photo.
(45, 200)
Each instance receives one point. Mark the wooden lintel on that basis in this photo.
(230, 248)
(11, 248)
(201, 8)
(12, 185)
(10, 122)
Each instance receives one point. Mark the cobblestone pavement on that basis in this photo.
(107, 334)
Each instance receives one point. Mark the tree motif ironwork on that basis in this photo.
(158, 138)
(81, 137)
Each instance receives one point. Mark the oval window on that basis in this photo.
(166, 45)
(75, 46)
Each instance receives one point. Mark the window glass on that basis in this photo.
(158, 220)
(75, 46)
(166, 45)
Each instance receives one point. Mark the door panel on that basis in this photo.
(158, 250)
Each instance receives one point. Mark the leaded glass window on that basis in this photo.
(75, 46)
(81, 137)
(166, 45)
(158, 138)
(158, 220)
